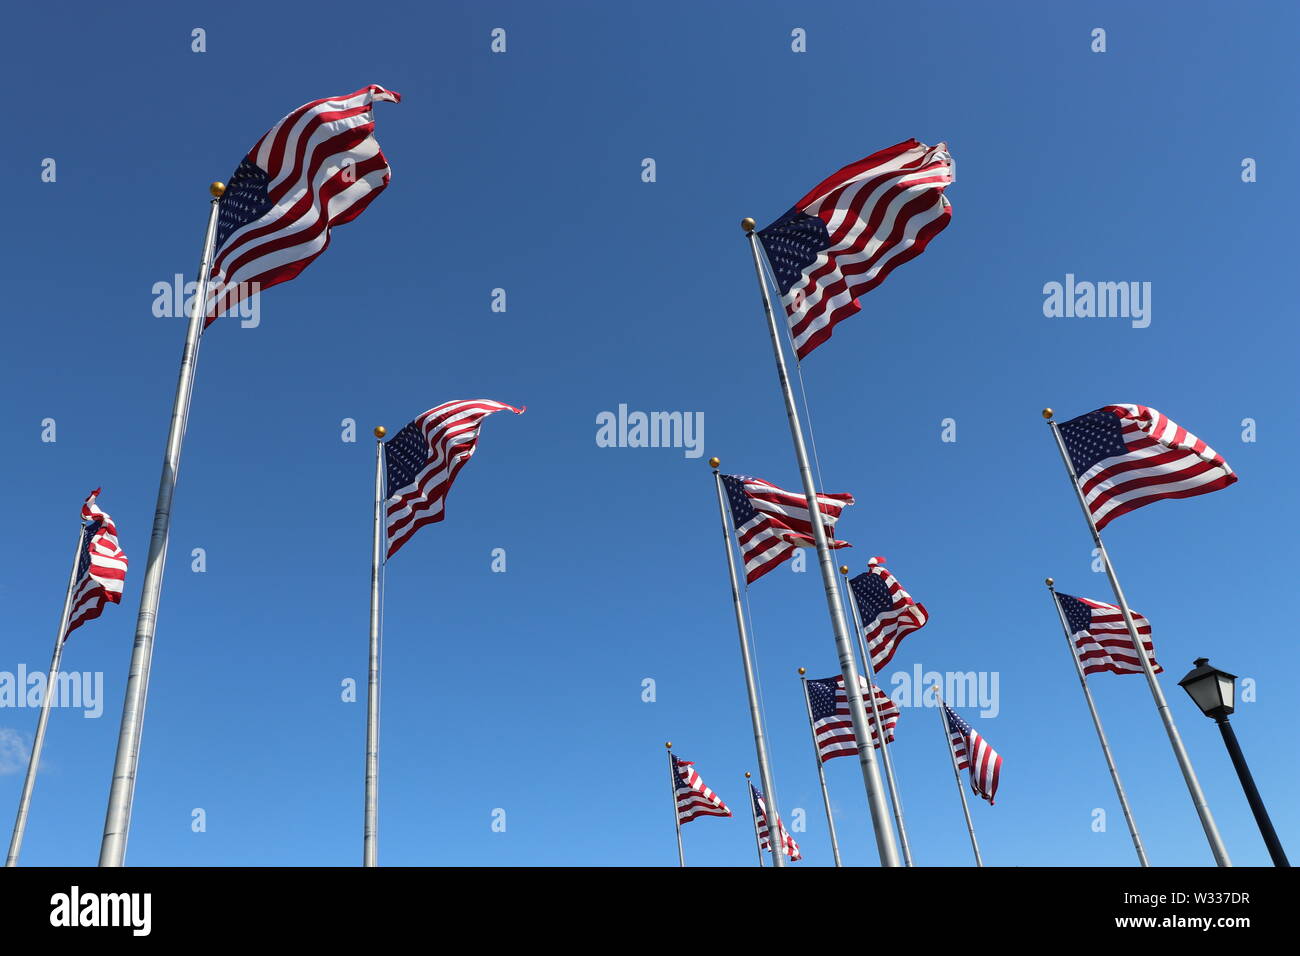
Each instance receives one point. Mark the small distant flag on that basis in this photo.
(760, 815)
(1101, 638)
(842, 239)
(770, 522)
(888, 612)
(694, 799)
(974, 753)
(317, 168)
(101, 572)
(422, 460)
(832, 726)
(1127, 456)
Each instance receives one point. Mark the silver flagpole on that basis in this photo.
(38, 742)
(121, 794)
(370, 852)
(753, 815)
(755, 718)
(1184, 762)
(885, 842)
(677, 817)
(1101, 734)
(821, 770)
(956, 773)
(870, 673)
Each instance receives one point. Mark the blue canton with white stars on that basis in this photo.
(742, 510)
(821, 698)
(792, 244)
(1077, 614)
(405, 455)
(1092, 438)
(244, 201)
(956, 724)
(87, 539)
(872, 595)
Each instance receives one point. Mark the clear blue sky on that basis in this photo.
(522, 690)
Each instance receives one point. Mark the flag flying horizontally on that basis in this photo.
(832, 727)
(843, 238)
(1101, 638)
(422, 460)
(888, 612)
(974, 752)
(694, 799)
(760, 813)
(101, 571)
(317, 168)
(770, 522)
(1127, 456)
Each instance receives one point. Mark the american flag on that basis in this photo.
(986, 765)
(770, 523)
(1127, 456)
(832, 727)
(888, 612)
(317, 168)
(423, 459)
(101, 571)
(694, 799)
(843, 238)
(1101, 639)
(760, 814)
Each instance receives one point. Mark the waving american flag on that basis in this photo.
(974, 753)
(771, 522)
(101, 571)
(843, 238)
(760, 816)
(832, 726)
(422, 460)
(888, 612)
(1127, 456)
(1101, 638)
(694, 799)
(317, 168)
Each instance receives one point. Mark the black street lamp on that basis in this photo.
(1213, 691)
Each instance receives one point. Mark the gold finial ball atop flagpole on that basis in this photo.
(844, 569)
(669, 745)
(380, 431)
(1048, 413)
(746, 774)
(1049, 581)
(217, 189)
(748, 224)
(714, 462)
(802, 671)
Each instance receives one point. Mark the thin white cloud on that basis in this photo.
(13, 752)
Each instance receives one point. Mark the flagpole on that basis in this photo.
(1184, 762)
(746, 660)
(677, 817)
(821, 770)
(885, 842)
(1101, 734)
(370, 849)
(870, 673)
(121, 794)
(38, 742)
(956, 774)
(753, 815)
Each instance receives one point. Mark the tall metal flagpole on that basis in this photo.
(1184, 762)
(677, 817)
(885, 842)
(870, 674)
(755, 718)
(821, 770)
(370, 851)
(38, 742)
(121, 794)
(956, 774)
(753, 815)
(1101, 734)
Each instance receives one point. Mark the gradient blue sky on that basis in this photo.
(522, 690)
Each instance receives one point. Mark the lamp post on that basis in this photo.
(1213, 691)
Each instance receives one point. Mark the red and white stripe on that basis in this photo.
(973, 753)
(834, 735)
(104, 574)
(1107, 645)
(1164, 460)
(886, 631)
(782, 525)
(324, 167)
(879, 212)
(451, 430)
(764, 843)
(694, 799)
